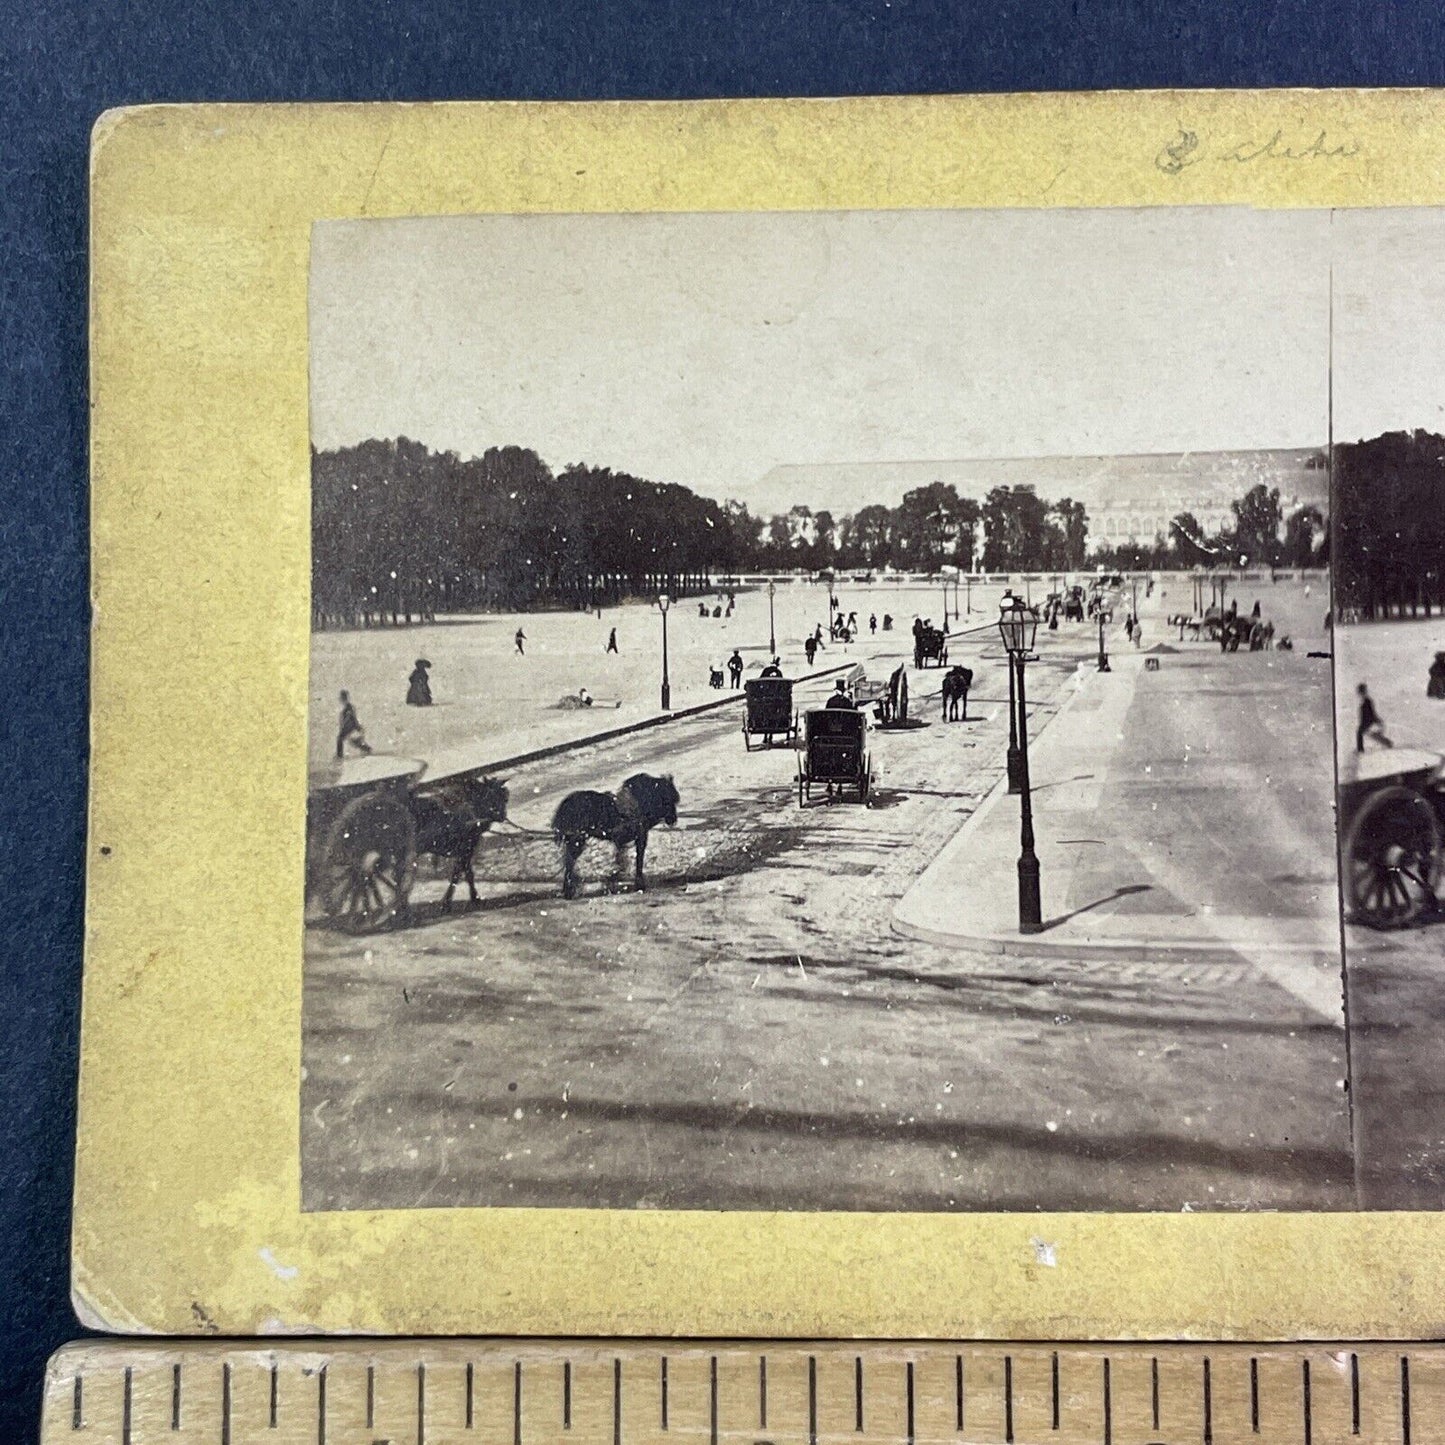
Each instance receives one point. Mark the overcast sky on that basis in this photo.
(706, 349)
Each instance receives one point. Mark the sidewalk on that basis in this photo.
(1182, 813)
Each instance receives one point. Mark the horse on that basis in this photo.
(620, 818)
(956, 683)
(450, 821)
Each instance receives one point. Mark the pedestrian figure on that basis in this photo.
(714, 677)
(888, 622)
(702, 609)
(840, 699)
(1138, 633)
(852, 621)
(418, 692)
(1370, 724)
(349, 729)
(1436, 685)
(584, 698)
(810, 649)
(1129, 626)
(818, 634)
(612, 640)
(519, 639)
(1255, 610)
(735, 668)
(873, 622)
(717, 612)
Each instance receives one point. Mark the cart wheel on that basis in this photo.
(1392, 858)
(368, 863)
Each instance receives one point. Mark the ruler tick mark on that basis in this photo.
(1254, 1395)
(125, 1409)
(1305, 1391)
(712, 1401)
(1208, 1406)
(370, 1396)
(663, 1391)
(858, 1393)
(226, 1403)
(470, 1375)
(762, 1392)
(567, 1397)
(1405, 1399)
(1108, 1406)
(517, 1404)
(1354, 1394)
(320, 1403)
(176, 1396)
(910, 1403)
(813, 1400)
(1054, 1385)
(617, 1402)
(275, 1388)
(421, 1405)
(77, 1402)
(1154, 1390)
(958, 1389)
(1008, 1400)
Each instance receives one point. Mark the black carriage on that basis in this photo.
(834, 754)
(1392, 831)
(769, 711)
(362, 837)
(930, 648)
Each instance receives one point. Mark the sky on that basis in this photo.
(708, 349)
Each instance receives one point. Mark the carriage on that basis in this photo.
(1392, 830)
(769, 711)
(834, 754)
(930, 645)
(367, 820)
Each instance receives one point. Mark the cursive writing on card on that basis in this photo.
(1186, 148)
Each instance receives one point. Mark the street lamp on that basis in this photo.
(944, 578)
(1104, 616)
(1017, 624)
(663, 603)
(772, 640)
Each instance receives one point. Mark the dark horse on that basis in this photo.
(619, 818)
(450, 821)
(956, 683)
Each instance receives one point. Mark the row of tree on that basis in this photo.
(400, 532)
(1389, 525)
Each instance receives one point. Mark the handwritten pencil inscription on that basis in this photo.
(1186, 148)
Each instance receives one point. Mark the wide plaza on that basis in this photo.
(755, 1030)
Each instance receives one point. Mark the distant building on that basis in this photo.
(1128, 498)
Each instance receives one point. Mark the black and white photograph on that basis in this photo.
(849, 711)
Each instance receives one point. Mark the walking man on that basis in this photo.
(519, 639)
(349, 729)
(612, 640)
(735, 668)
(873, 622)
(810, 648)
(1371, 724)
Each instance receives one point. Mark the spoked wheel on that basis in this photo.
(369, 862)
(1392, 859)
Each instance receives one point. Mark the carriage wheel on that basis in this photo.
(1392, 858)
(368, 863)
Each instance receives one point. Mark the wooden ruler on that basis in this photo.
(510, 1392)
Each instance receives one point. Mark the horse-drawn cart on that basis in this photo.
(834, 754)
(370, 818)
(1392, 830)
(930, 647)
(770, 712)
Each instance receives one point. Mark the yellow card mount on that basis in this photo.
(510, 1392)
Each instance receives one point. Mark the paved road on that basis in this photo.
(751, 1032)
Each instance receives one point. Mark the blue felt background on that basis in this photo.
(63, 63)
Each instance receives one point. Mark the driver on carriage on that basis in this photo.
(840, 699)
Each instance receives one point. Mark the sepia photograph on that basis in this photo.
(849, 711)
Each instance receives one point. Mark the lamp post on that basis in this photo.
(1104, 616)
(944, 579)
(1015, 771)
(1017, 624)
(663, 603)
(968, 593)
(772, 640)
